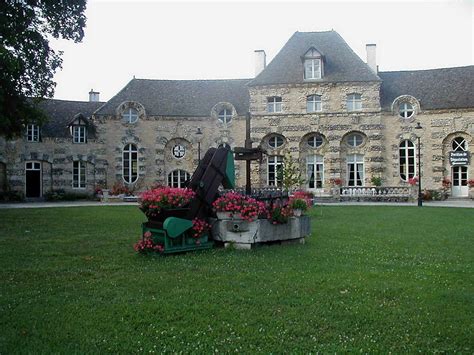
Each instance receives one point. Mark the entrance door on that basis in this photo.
(460, 187)
(33, 179)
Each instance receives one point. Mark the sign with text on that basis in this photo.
(459, 158)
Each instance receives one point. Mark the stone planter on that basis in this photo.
(471, 193)
(228, 215)
(245, 235)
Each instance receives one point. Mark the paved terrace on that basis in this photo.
(460, 203)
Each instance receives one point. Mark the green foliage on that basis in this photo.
(28, 62)
(299, 204)
(369, 280)
(376, 180)
(290, 174)
(61, 195)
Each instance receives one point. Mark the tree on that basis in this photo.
(27, 62)
(290, 174)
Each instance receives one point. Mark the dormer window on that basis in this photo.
(406, 110)
(130, 115)
(274, 104)
(312, 65)
(354, 102)
(79, 134)
(225, 115)
(32, 133)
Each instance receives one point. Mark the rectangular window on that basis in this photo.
(355, 170)
(354, 102)
(275, 169)
(274, 104)
(79, 134)
(32, 133)
(313, 103)
(78, 174)
(312, 69)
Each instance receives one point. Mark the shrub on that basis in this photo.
(119, 189)
(376, 181)
(61, 195)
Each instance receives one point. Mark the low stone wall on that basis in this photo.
(244, 235)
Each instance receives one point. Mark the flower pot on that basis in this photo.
(297, 213)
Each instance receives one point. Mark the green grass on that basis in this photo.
(370, 279)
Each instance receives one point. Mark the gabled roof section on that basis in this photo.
(341, 64)
(446, 88)
(62, 112)
(181, 97)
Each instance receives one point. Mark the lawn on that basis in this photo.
(369, 279)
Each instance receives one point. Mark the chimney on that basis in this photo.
(371, 49)
(93, 96)
(260, 61)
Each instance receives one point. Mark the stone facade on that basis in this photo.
(164, 122)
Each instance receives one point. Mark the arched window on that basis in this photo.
(313, 103)
(178, 178)
(315, 169)
(179, 151)
(315, 141)
(406, 110)
(407, 160)
(275, 166)
(354, 139)
(275, 141)
(459, 144)
(355, 170)
(130, 163)
(130, 115)
(225, 116)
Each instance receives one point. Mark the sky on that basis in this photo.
(216, 40)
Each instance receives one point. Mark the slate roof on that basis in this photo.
(340, 62)
(61, 113)
(181, 97)
(435, 88)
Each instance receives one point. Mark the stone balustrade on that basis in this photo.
(376, 193)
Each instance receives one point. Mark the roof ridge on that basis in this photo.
(75, 101)
(424, 70)
(169, 80)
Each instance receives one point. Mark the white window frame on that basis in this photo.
(32, 132)
(406, 152)
(355, 166)
(177, 178)
(315, 141)
(312, 68)
(315, 171)
(354, 102)
(130, 115)
(225, 116)
(79, 134)
(406, 110)
(351, 140)
(274, 165)
(79, 177)
(274, 104)
(130, 163)
(36, 166)
(274, 140)
(178, 151)
(314, 103)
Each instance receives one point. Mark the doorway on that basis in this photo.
(33, 179)
(460, 187)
